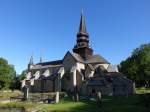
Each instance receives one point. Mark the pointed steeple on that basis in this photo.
(31, 64)
(82, 46)
(82, 27)
(31, 60)
(82, 35)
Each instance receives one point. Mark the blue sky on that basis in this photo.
(48, 28)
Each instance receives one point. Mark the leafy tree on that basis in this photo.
(137, 66)
(7, 74)
(22, 75)
(18, 80)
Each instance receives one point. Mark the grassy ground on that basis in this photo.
(7, 94)
(109, 104)
(142, 90)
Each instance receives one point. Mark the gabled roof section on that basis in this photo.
(76, 56)
(97, 59)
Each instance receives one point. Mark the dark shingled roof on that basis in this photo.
(96, 83)
(93, 59)
(57, 62)
(97, 59)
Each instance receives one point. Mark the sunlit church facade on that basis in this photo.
(80, 70)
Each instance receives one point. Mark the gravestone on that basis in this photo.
(99, 98)
(25, 92)
(76, 94)
(76, 97)
(57, 97)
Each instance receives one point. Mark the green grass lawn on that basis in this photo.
(5, 95)
(142, 90)
(109, 104)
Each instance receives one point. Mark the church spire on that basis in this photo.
(82, 35)
(82, 27)
(31, 60)
(30, 65)
(82, 46)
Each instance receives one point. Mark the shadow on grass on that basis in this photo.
(109, 104)
(82, 106)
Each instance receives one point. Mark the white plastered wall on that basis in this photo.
(80, 66)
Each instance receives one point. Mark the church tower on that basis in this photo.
(82, 46)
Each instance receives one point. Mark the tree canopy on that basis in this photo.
(7, 74)
(137, 66)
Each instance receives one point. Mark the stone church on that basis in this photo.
(79, 70)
